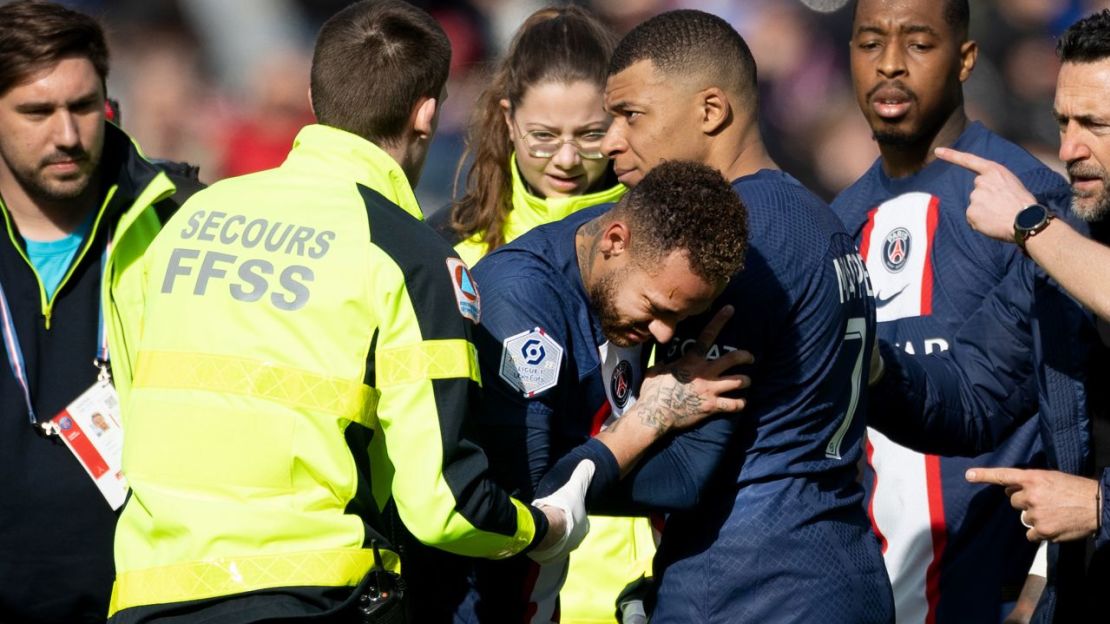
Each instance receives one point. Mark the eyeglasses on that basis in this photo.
(545, 144)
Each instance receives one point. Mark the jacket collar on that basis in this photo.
(132, 183)
(124, 165)
(334, 152)
(530, 210)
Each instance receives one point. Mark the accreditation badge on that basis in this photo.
(91, 428)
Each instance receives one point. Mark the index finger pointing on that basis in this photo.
(996, 476)
(964, 159)
(709, 334)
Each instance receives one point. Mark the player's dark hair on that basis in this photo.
(563, 44)
(686, 206)
(373, 61)
(957, 14)
(690, 42)
(1087, 40)
(35, 35)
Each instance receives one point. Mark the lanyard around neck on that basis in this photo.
(15, 351)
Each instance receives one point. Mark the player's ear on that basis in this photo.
(969, 52)
(615, 239)
(714, 109)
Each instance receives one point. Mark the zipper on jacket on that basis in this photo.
(80, 254)
(48, 304)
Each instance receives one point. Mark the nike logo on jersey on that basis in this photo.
(881, 301)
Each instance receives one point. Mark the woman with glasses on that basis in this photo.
(536, 134)
(536, 147)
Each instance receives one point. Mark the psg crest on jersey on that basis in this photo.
(896, 249)
(620, 385)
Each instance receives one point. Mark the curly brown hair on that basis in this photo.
(687, 207)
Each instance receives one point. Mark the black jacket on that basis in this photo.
(55, 527)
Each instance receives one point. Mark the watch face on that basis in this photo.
(1030, 218)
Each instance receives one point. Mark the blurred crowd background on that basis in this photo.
(223, 84)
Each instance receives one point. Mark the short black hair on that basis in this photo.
(373, 61)
(35, 35)
(957, 14)
(1087, 40)
(687, 41)
(687, 207)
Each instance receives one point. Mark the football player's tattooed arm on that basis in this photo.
(673, 396)
(677, 396)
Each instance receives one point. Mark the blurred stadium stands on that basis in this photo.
(223, 84)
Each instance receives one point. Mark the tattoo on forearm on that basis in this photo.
(673, 405)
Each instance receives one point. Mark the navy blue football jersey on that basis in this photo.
(551, 379)
(955, 551)
(769, 525)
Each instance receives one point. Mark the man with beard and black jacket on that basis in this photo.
(80, 204)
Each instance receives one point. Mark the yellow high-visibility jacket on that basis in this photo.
(303, 360)
(530, 211)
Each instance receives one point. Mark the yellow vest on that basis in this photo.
(304, 357)
(530, 211)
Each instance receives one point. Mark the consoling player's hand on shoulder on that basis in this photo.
(682, 393)
(678, 395)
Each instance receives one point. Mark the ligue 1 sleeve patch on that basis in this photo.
(530, 361)
(466, 291)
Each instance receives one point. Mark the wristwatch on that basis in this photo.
(1030, 221)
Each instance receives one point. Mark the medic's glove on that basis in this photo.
(635, 603)
(571, 500)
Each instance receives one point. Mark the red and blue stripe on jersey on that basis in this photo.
(950, 547)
